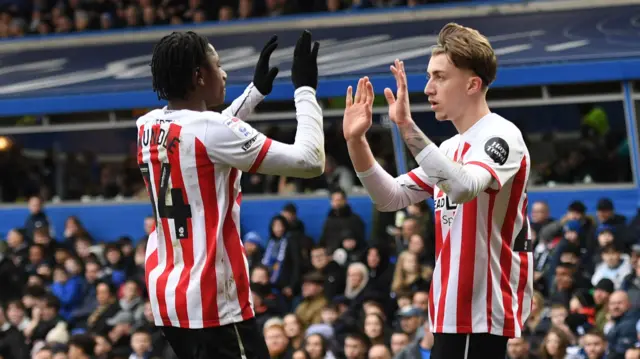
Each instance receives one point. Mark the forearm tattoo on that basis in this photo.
(415, 139)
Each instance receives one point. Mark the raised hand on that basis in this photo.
(263, 76)
(304, 71)
(358, 113)
(399, 108)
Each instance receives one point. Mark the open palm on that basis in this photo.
(399, 108)
(358, 111)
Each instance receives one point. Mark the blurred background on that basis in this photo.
(74, 76)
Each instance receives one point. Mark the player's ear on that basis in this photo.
(474, 84)
(199, 77)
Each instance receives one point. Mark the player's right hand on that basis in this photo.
(304, 71)
(358, 113)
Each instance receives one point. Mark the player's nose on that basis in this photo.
(429, 89)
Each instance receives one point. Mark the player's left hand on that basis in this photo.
(263, 76)
(399, 108)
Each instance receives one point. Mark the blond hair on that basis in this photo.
(403, 280)
(468, 49)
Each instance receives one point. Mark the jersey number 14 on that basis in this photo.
(179, 211)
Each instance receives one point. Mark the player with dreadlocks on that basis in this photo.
(192, 160)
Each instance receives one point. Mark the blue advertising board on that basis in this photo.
(534, 48)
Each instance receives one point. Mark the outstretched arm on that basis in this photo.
(460, 183)
(388, 193)
(249, 150)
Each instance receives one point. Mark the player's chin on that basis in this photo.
(441, 116)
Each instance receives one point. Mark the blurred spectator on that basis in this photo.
(333, 273)
(12, 341)
(615, 266)
(81, 347)
(37, 218)
(518, 348)
(282, 257)
(341, 219)
(309, 311)
(631, 285)
(621, 328)
(379, 351)
(276, 339)
(419, 348)
(356, 346)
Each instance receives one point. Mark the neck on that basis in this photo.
(469, 118)
(191, 105)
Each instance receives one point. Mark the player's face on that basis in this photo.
(214, 79)
(448, 88)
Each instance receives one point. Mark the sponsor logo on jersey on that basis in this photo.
(497, 149)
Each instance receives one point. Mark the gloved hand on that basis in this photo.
(263, 76)
(304, 71)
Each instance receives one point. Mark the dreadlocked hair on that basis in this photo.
(175, 58)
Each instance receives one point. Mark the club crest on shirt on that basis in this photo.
(497, 149)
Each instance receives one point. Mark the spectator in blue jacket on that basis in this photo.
(622, 335)
(68, 289)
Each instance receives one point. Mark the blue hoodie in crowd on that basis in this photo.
(70, 294)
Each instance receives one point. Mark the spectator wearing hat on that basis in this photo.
(605, 213)
(582, 303)
(120, 333)
(411, 318)
(253, 247)
(601, 294)
(310, 308)
(621, 333)
(631, 285)
(615, 266)
(605, 235)
(420, 348)
(575, 212)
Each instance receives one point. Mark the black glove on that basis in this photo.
(304, 71)
(263, 76)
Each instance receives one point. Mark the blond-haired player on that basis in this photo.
(482, 285)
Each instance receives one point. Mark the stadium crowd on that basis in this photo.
(338, 296)
(20, 17)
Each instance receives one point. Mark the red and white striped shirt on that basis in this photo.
(197, 274)
(483, 279)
